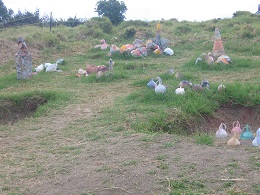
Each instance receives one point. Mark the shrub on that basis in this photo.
(102, 23)
(129, 32)
(241, 13)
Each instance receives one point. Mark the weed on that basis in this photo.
(153, 172)
(233, 163)
(168, 144)
(204, 139)
(130, 163)
(184, 186)
(104, 168)
(118, 129)
(6, 188)
(255, 162)
(256, 188)
(228, 184)
(163, 166)
(93, 136)
(161, 157)
(147, 138)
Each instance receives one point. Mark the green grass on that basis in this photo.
(256, 188)
(233, 164)
(163, 166)
(168, 144)
(255, 162)
(171, 112)
(228, 184)
(45, 100)
(204, 139)
(130, 163)
(161, 157)
(10, 80)
(237, 64)
(106, 78)
(121, 107)
(185, 186)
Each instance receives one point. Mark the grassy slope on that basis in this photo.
(143, 110)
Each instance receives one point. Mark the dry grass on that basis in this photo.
(87, 144)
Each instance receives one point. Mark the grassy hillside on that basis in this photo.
(188, 40)
(73, 111)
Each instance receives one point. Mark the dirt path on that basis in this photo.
(69, 153)
(128, 165)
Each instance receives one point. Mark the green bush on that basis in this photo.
(129, 32)
(101, 22)
(241, 13)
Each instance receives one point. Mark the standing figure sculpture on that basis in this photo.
(218, 48)
(158, 40)
(23, 61)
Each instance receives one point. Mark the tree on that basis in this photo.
(112, 9)
(72, 22)
(5, 14)
(25, 18)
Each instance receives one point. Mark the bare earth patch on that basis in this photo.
(125, 162)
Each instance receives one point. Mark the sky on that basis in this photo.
(147, 10)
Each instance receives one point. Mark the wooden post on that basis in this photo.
(50, 20)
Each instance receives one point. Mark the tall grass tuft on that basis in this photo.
(204, 139)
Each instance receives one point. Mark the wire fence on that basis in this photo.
(3, 23)
(41, 22)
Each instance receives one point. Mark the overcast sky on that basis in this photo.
(191, 10)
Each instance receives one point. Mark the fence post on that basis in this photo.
(50, 20)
